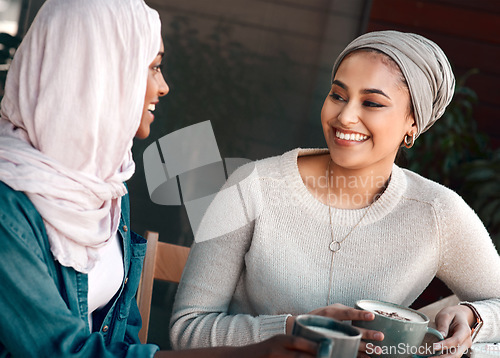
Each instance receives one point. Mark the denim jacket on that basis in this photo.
(43, 305)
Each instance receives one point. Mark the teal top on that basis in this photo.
(43, 305)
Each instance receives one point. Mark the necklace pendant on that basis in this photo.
(334, 246)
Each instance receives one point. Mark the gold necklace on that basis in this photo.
(335, 245)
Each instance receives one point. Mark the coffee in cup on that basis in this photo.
(404, 330)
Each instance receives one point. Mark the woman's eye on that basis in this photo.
(372, 104)
(157, 68)
(336, 97)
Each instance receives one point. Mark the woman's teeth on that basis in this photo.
(151, 107)
(351, 136)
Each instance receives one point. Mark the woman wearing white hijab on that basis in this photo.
(83, 82)
(336, 225)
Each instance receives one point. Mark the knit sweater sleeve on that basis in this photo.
(201, 316)
(469, 262)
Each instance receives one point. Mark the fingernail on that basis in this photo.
(443, 333)
(368, 315)
(378, 336)
(378, 350)
(437, 346)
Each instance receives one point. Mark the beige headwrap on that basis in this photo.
(73, 102)
(424, 65)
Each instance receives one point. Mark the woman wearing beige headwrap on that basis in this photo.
(327, 227)
(83, 82)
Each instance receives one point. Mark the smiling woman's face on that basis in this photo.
(156, 87)
(365, 116)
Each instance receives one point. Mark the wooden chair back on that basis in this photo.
(164, 262)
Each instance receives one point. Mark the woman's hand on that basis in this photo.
(343, 313)
(280, 346)
(454, 323)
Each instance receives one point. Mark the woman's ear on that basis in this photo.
(412, 124)
(411, 132)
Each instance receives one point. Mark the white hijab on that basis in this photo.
(73, 101)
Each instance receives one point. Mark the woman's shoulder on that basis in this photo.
(14, 201)
(456, 219)
(258, 168)
(18, 216)
(280, 166)
(426, 190)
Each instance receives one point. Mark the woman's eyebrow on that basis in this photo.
(374, 90)
(365, 91)
(340, 84)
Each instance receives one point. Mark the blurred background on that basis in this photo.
(259, 71)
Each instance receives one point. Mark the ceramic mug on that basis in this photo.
(404, 330)
(335, 339)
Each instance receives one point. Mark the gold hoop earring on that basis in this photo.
(409, 143)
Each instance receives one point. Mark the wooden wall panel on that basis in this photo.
(311, 33)
(273, 26)
(482, 5)
(468, 32)
(307, 5)
(259, 14)
(444, 18)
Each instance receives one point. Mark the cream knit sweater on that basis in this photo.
(239, 287)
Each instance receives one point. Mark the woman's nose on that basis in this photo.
(163, 88)
(348, 115)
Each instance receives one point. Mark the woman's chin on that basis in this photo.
(142, 133)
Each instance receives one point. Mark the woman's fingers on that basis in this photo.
(456, 345)
(461, 336)
(343, 313)
(453, 316)
(443, 322)
(454, 324)
(371, 335)
(368, 334)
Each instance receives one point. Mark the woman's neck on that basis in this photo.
(355, 188)
(345, 188)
